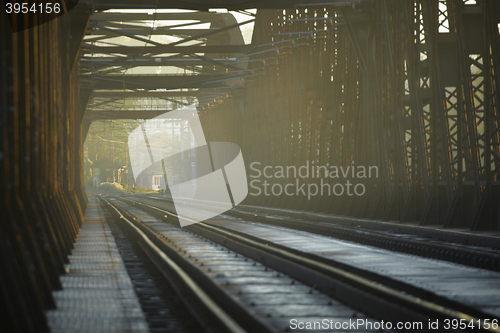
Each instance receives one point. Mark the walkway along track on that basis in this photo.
(376, 295)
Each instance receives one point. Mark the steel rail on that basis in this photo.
(434, 250)
(375, 298)
(216, 312)
(452, 253)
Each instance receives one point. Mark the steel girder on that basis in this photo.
(109, 114)
(204, 5)
(154, 82)
(168, 49)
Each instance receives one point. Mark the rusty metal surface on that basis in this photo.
(41, 193)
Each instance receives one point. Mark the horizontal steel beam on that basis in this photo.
(148, 31)
(139, 94)
(198, 16)
(156, 94)
(169, 49)
(154, 82)
(152, 61)
(120, 114)
(205, 5)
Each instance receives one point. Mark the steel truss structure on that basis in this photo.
(199, 50)
(409, 86)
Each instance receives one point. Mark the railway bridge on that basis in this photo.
(352, 116)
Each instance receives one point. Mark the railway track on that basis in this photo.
(473, 256)
(375, 295)
(243, 288)
(203, 308)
